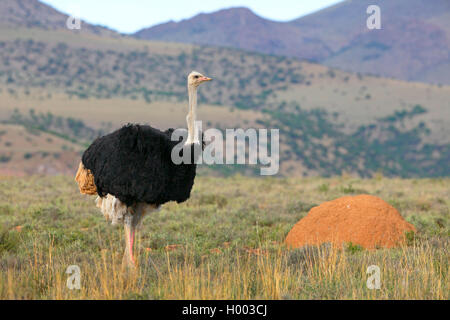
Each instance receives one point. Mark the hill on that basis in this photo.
(413, 44)
(26, 151)
(34, 14)
(79, 85)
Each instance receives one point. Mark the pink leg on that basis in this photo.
(128, 258)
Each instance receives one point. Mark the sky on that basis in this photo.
(128, 16)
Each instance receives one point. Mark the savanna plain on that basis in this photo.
(225, 242)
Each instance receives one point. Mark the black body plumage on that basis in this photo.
(134, 164)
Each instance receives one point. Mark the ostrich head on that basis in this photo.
(196, 78)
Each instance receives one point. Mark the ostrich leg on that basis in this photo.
(130, 226)
(131, 223)
(128, 257)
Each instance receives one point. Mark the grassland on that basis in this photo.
(119, 111)
(225, 242)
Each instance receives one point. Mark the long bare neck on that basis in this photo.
(192, 115)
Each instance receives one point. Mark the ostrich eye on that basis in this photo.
(196, 77)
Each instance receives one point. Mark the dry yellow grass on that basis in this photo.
(91, 41)
(120, 111)
(412, 273)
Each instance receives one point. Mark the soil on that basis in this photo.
(363, 220)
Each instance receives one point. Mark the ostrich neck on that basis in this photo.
(192, 115)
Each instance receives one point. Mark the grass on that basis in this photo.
(226, 242)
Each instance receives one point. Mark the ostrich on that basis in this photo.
(132, 172)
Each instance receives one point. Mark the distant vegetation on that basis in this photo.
(391, 145)
(90, 73)
(71, 129)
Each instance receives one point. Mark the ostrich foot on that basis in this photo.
(128, 263)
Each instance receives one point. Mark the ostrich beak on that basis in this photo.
(204, 79)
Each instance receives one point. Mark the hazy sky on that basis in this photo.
(131, 15)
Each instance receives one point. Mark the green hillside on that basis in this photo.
(331, 121)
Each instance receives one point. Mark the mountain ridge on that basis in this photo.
(413, 44)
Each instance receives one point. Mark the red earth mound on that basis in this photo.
(364, 220)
